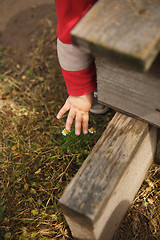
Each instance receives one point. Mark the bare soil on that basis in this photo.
(21, 24)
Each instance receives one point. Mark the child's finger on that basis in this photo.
(63, 110)
(85, 123)
(70, 118)
(78, 120)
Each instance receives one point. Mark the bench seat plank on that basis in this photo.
(128, 29)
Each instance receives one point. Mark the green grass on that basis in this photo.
(37, 161)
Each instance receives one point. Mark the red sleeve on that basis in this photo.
(82, 82)
(69, 12)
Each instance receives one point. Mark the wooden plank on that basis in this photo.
(99, 195)
(134, 93)
(128, 29)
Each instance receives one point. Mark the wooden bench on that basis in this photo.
(124, 37)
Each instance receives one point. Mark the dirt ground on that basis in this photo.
(20, 24)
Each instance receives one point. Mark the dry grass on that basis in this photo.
(37, 162)
(143, 218)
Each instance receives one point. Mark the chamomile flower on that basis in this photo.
(91, 130)
(65, 132)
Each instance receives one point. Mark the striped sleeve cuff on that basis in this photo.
(78, 69)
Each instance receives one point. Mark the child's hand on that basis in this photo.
(78, 107)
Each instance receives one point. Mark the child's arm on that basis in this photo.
(79, 73)
(77, 67)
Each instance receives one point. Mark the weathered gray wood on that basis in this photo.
(126, 29)
(99, 195)
(131, 92)
(131, 29)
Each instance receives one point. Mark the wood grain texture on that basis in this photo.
(126, 29)
(126, 189)
(136, 94)
(96, 184)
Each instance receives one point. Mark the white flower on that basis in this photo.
(91, 130)
(65, 132)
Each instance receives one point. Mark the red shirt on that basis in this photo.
(69, 12)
